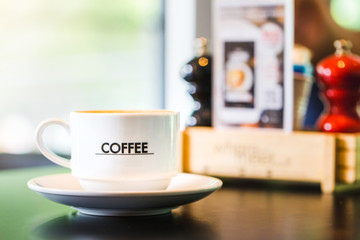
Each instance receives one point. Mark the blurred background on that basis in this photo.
(60, 56)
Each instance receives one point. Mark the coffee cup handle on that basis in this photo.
(42, 147)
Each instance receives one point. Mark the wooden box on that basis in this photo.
(332, 160)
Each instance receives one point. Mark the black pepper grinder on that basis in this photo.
(197, 72)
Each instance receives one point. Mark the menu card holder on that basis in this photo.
(331, 160)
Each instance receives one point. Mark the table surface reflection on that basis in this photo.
(240, 210)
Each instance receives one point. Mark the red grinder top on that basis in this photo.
(342, 68)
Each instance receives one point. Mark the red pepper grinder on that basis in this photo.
(339, 77)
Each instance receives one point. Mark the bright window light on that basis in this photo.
(346, 13)
(57, 56)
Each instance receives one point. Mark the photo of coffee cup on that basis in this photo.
(119, 150)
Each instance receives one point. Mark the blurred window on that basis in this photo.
(346, 13)
(59, 56)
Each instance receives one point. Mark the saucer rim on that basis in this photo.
(214, 184)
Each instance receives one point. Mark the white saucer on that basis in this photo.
(65, 189)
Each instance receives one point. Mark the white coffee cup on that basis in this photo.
(119, 150)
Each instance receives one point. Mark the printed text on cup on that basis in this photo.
(125, 148)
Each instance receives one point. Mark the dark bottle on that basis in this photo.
(198, 73)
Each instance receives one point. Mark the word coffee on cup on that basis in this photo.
(119, 150)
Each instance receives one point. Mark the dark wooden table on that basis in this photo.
(240, 210)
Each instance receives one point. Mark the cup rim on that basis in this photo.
(126, 112)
